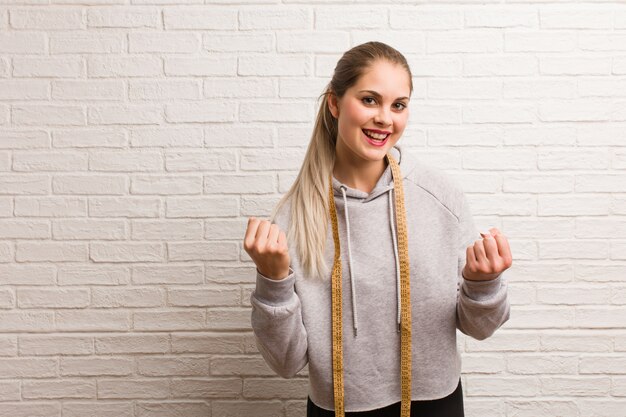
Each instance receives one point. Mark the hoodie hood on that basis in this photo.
(385, 185)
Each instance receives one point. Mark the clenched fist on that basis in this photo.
(487, 257)
(267, 246)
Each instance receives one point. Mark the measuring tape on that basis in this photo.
(405, 291)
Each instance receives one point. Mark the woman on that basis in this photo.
(379, 338)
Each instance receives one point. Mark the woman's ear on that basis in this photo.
(332, 105)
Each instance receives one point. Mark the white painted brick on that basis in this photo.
(256, 408)
(464, 89)
(4, 114)
(576, 342)
(563, 159)
(115, 161)
(600, 317)
(10, 391)
(78, 409)
(333, 17)
(511, 113)
(464, 41)
(24, 90)
(555, 65)
(193, 161)
(201, 207)
(88, 90)
(602, 42)
(273, 65)
(619, 66)
(202, 18)
(52, 19)
(126, 207)
(170, 320)
(65, 67)
(314, 41)
(27, 275)
(183, 230)
(173, 366)
(166, 409)
(168, 137)
(88, 43)
(4, 68)
(198, 297)
(251, 18)
(541, 318)
(166, 185)
(91, 320)
(601, 407)
(602, 228)
(124, 66)
(125, 114)
(24, 139)
(483, 364)
(599, 272)
(261, 160)
(212, 66)
(540, 136)
(274, 388)
(208, 388)
(576, 17)
(64, 388)
(49, 161)
(135, 388)
(40, 345)
(164, 90)
(85, 184)
(7, 298)
(55, 115)
(574, 386)
(600, 183)
(132, 343)
(122, 17)
(522, 386)
(596, 364)
(240, 365)
(569, 295)
(235, 184)
(126, 252)
(179, 274)
(231, 42)
(178, 43)
(559, 206)
(233, 87)
(542, 364)
(98, 275)
(28, 367)
(51, 252)
(94, 366)
(228, 318)
(89, 138)
(24, 229)
(127, 297)
(219, 343)
(558, 41)
(489, 65)
(211, 251)
(425, 17)
(29, 409)
(510, 16)
(201, 112)
(168, 2)
(23, 43)
(52, 298)
(554, 408)
(618, 388)
(8, 346)
(535, 89)
(545, 184)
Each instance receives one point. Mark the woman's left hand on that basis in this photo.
(487, 257)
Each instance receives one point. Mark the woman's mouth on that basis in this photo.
(375, 141)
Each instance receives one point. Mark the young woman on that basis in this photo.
(378, 328)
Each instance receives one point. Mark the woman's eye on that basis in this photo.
(372, 98)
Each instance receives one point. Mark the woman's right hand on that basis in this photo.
(267, 246)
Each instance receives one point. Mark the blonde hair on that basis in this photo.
(308, 195)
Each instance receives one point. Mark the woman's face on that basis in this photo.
(359, 109)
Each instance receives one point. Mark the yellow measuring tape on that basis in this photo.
(405, 292)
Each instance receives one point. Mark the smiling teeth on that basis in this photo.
(374, 135)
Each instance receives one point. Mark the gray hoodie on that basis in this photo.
(291, 318)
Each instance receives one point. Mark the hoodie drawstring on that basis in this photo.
(395, 251)
(345, 209)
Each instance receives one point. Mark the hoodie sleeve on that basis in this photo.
(277, 324)
(482, 306)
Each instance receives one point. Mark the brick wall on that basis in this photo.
(137, 136)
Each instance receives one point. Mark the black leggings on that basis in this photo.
(450, 406)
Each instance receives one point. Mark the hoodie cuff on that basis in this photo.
(482, 290)
(274, 292)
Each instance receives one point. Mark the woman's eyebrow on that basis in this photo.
(378, 95)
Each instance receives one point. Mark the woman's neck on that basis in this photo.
(362, 176)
